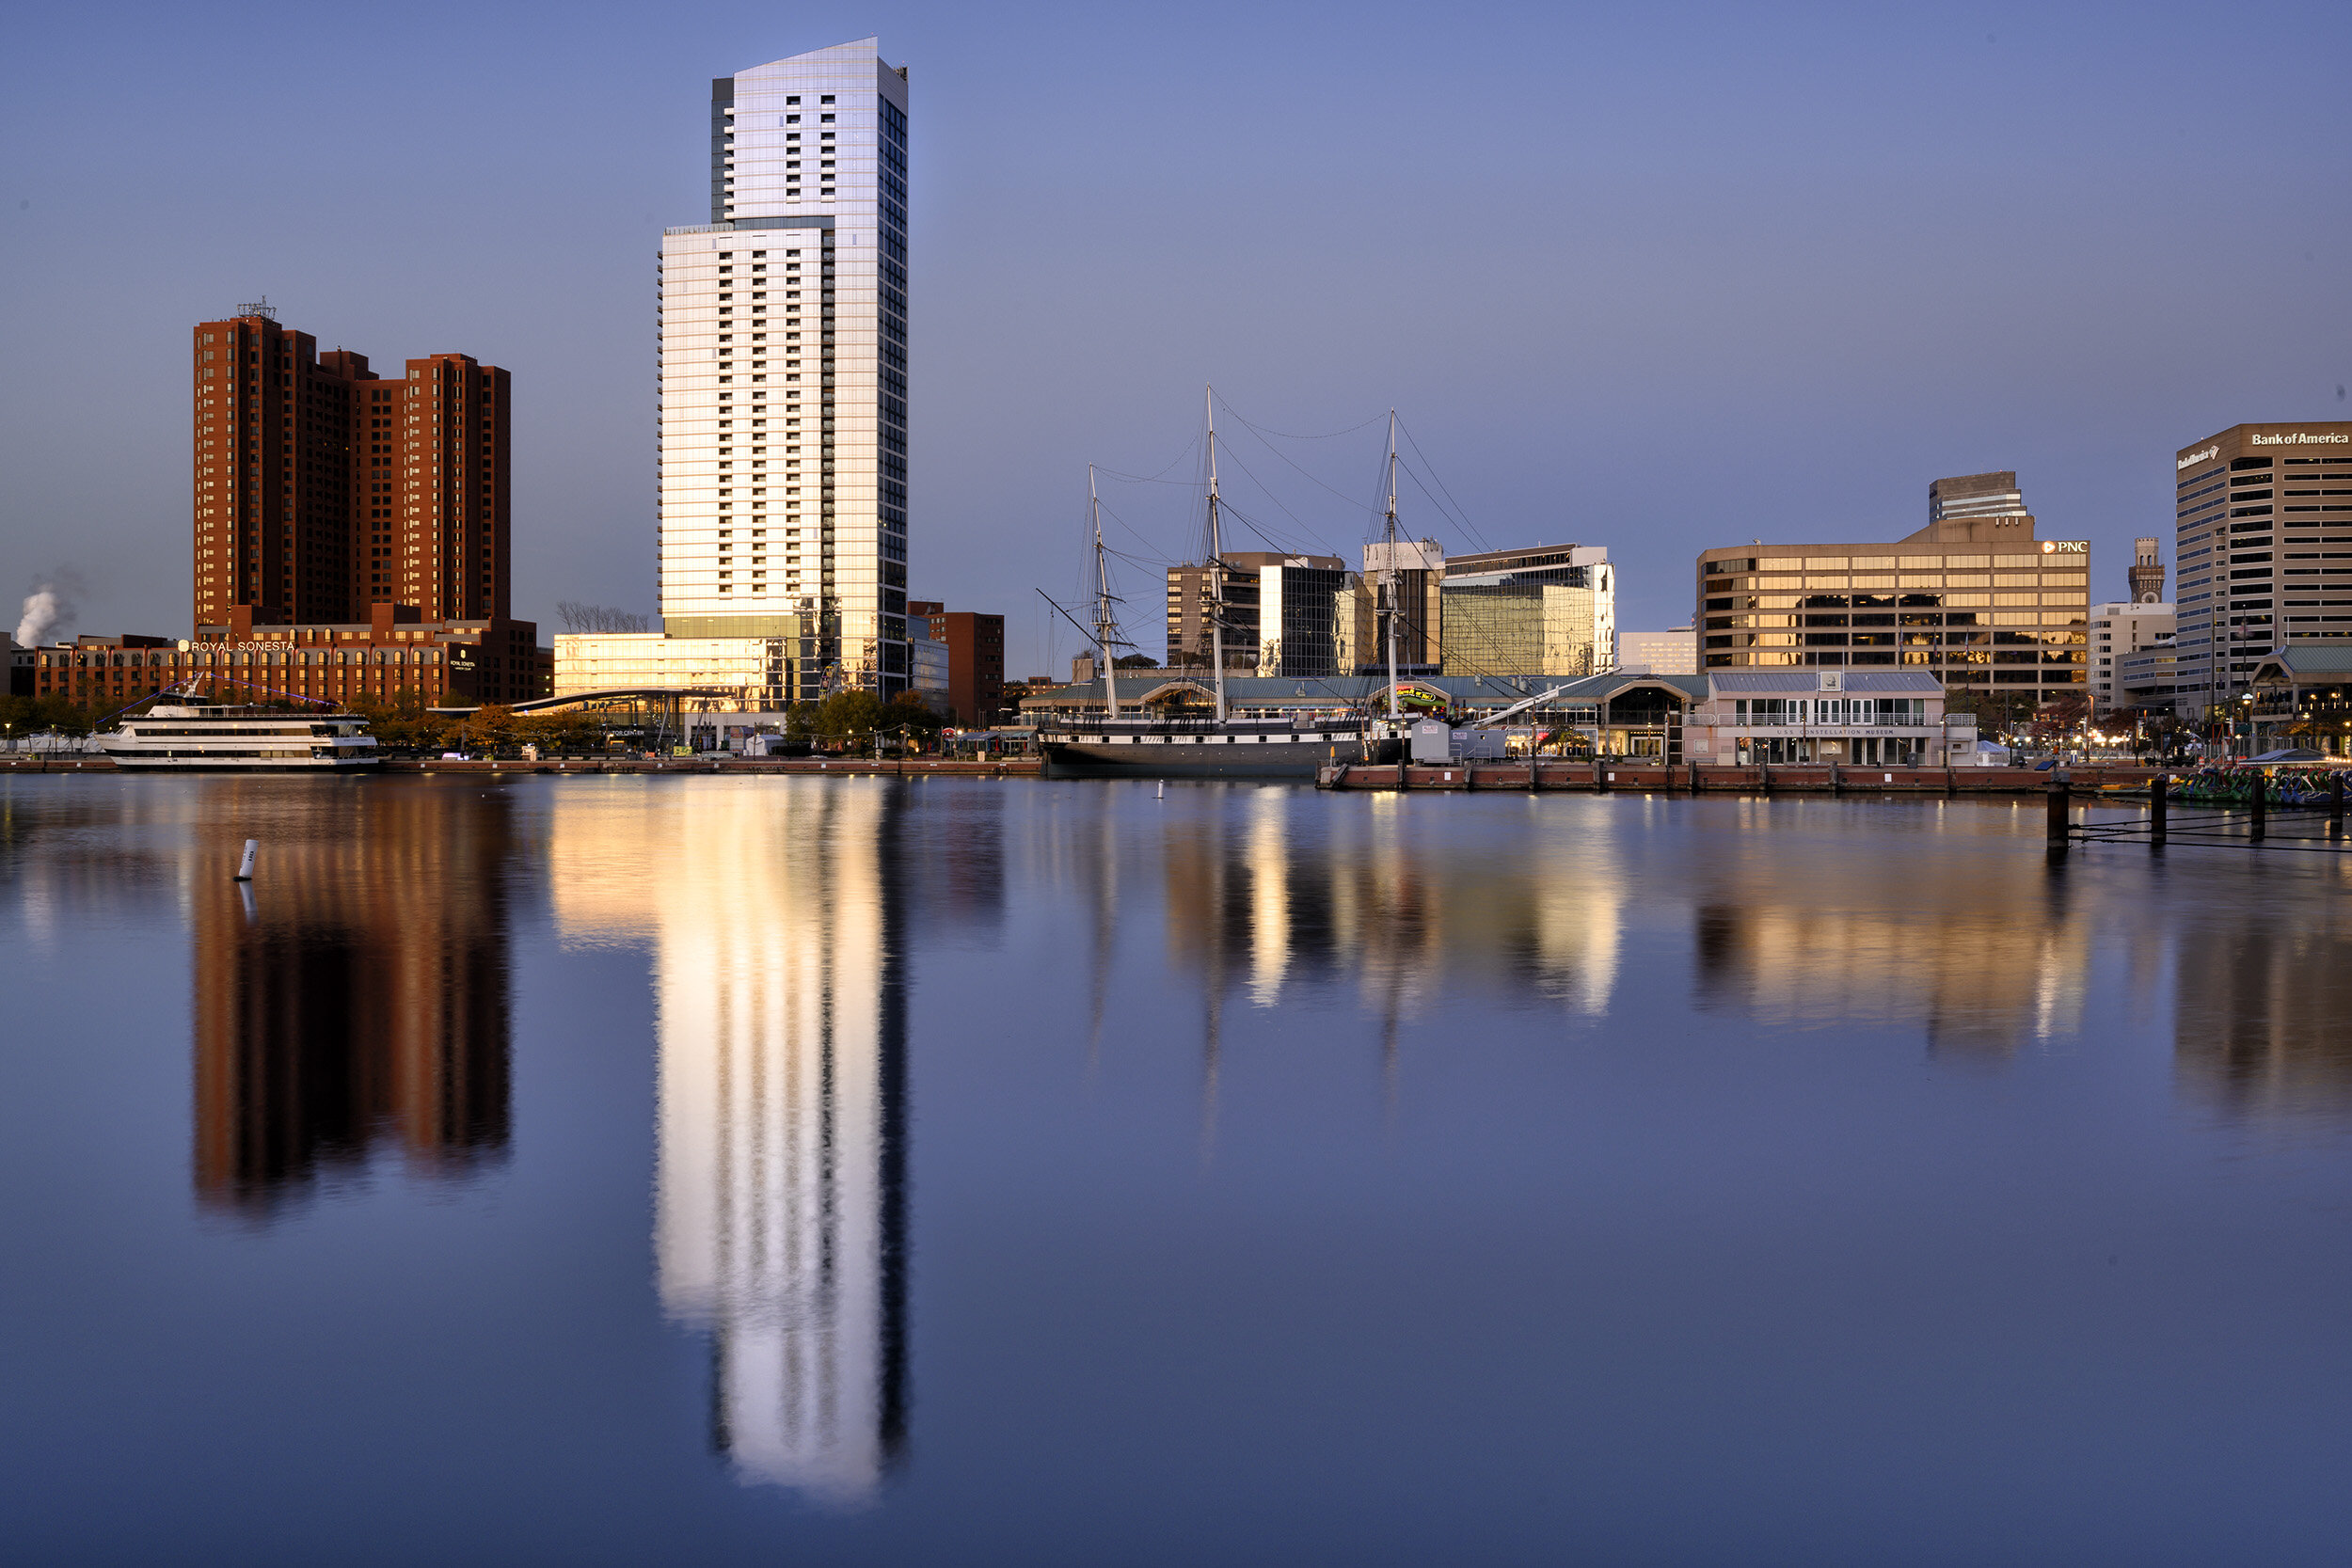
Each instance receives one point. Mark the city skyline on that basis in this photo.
(1717, 267)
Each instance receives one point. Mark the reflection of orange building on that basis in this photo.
(1816, 927)
(1287, 890)
(357, 991)
(2259, 1016)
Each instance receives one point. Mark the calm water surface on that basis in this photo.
(755, 1170)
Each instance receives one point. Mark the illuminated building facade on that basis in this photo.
(389, 657)
(1975, 598)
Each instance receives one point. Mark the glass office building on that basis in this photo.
(784, 374)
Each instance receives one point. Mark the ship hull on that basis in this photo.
(148, 762)
(1146, 756)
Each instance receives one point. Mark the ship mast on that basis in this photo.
(1387, 573)
(1216, 568)
(1105, 623)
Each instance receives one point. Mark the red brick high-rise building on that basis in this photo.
(322, 489)
(976, 660)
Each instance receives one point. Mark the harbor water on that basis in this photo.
(638, 1169)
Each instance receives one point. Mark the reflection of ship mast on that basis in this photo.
(1105, 929)
(1212, 1046)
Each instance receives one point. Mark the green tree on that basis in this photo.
(1998, 712)
(912, 720)
(569, 731)
(848, 713)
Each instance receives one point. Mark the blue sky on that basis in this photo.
(1657, 277)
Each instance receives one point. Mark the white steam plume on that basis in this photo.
(46, 608)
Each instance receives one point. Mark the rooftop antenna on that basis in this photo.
(262, 307)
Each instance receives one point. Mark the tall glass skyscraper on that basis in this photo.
(783, 384)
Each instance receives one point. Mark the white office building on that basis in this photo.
(2119, 630)
(782, 378)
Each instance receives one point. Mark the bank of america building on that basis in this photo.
(2263, 554)
(783, 377)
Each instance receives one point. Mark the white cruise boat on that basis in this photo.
(181, 735)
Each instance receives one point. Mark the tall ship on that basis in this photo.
(183, 733)
(1181, 743)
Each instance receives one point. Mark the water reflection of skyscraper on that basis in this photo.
(778, 921)
(358, 991)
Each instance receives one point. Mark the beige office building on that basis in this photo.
(2118, 632)
(1975, 598)
(2250, 554)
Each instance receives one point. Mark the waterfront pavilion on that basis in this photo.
(1874, 717)
(2302, 696)
(1619, 715)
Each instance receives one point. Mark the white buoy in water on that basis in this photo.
(1162, 794)
(245, 866)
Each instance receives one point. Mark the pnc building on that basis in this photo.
(1976, 598)
(2262, 556)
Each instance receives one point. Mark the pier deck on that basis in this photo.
(1702, 779)
(1640, 778)
(911, 767)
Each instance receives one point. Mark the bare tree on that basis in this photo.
(578, 617)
